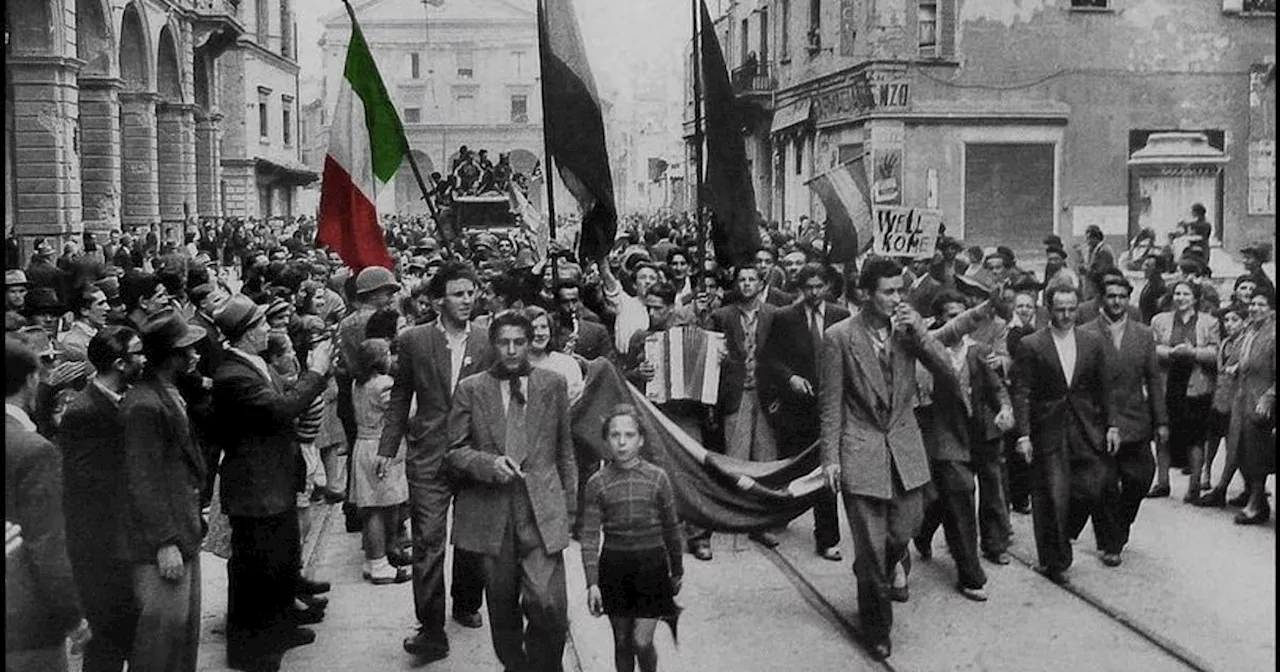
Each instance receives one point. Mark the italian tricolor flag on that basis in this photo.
(366, 146)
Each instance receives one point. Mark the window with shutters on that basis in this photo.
(264, 113)
(286, 119)
(519, 108)
(936, 28)
(814, 36)
(415, 65)
(927, 27)
(412, 115)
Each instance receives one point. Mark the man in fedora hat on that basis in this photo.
(44, 308)
(41, 271)
(15, 292)
(260, 475)
(164, 469)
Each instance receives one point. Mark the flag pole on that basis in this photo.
(547, 167)
(697, 139)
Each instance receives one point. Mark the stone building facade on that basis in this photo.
(126, 113)
(1016, 120)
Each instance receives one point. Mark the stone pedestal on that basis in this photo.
(45, 156)
(175, 133)
(141, 199)
(208, 164)
(100, 152)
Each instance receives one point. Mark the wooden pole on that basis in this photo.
(548, 169)
(697, 139)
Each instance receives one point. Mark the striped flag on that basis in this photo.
(843, 192)
(366, 147)
(531, 220)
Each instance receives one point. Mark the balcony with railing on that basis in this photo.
(753, 78)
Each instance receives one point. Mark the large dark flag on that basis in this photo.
(844, 194)
(575, 126)
(727, 189)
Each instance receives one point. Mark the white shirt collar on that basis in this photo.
(20, 415)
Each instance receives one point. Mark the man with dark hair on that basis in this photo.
(261, 472)
(144, 295)
(789, 380)
(89, 304)
(509, 434)
(1154, 289)
(1138, 410)
(96, 502)
(164, 471)
(1061, 400)
(40, 593)
(871, 444)
(792, 261)
(1056, 269)
(746, 325)
(771, 276)
(1090, 309)
(1096, 256)
(578, 335)
(432, 359)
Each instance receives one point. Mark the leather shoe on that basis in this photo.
(1057, 576)
(831, 553)
(1215, 499)
(924, 548)
(881, 650)
(426, 646)
(291, 637)
(1192, 497)
(1000, 558)
(1158, 492)
(1262, 516)
(305, 586)
(975, 594)
(1239, 500)
(468, 619)
(766, 539)
(313, 601)
(702, 551)
(1111, 559)
(900, 593)
(306, 616)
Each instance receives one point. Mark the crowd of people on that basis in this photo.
(161, 400)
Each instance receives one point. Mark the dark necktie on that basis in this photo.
(815, 331)
(516, 444)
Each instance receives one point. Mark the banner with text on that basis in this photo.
(905, 232)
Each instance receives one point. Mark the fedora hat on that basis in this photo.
(15, 278)
(237, 315)
(167, 330)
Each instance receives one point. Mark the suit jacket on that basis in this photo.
(1137, 386)
(1207, 335)
(423, 371)
(41, 604)
(593, 339)
(1055, 416)
(164, 470)
(95, 499)
(261, 463)
(954, 432)
(778, 298)
(733, 371)
(477, 436)
(868, 427)
(788, 352)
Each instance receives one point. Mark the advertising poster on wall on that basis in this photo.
(886, 164)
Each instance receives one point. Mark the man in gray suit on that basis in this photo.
(872, 448)
(433, 358)
(510, 440)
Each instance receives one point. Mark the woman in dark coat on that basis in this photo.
(1253, 413)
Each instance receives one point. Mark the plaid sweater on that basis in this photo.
(635, 508)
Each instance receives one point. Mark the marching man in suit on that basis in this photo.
(872, 450)
(433, 358)
(1138, 410)
(510, 439)
(790, 367)
(1061, 402)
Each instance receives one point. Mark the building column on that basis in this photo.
(100, 152)
(46, 161)
(175, 132)
(141, 201)
(208, 160)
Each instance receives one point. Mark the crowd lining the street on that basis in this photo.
(167, 398)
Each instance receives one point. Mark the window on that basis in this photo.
(466, 63)
(1090, 4)
(264, 119)
(743, 51)
(784, 40)
(519, 108)
(764, 37)
(286, 119)
(412, 115)
(799, 156)
(927, 22)
(815, 26)
(263, 20)
(415, 65)
(465, 105)
(286, 30)
(517, 64)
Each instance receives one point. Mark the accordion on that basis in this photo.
(686, 364)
